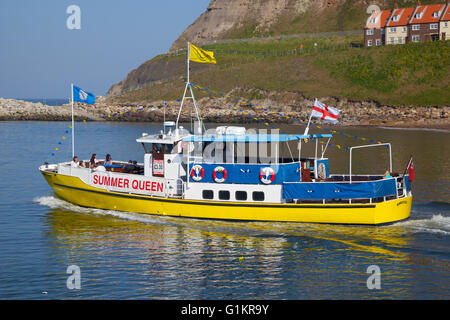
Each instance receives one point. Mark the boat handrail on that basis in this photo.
(370, 146)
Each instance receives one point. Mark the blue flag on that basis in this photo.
(83, 96)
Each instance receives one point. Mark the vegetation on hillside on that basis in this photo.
(412, 74)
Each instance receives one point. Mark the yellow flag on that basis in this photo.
(200, 55)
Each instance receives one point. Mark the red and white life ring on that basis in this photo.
(224, 174)
(197, 172)
(267, 175)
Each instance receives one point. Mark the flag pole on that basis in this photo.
(73, 132)
(188, 56)
(309, 121)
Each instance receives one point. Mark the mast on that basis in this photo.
(73, 131)
(192, 97)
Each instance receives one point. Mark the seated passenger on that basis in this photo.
(129, 168)
(108, 160)
(93, 162)
(75, 163)
(387, 175)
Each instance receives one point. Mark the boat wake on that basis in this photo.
(56, 203)
(436, 224)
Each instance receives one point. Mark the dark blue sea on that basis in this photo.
(122, 255)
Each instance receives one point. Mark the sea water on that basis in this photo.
(123, 255)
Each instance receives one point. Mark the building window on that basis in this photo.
(419, 15)
(258, 196)
(392, 30)
(396, 18)
(369, 32)
(405, 29)
(378, 42)
(369, 43)
(400, 40)
(436, 14)
(241, 195)
(415, 38)
(433, 26)
(224, 195)
(208, 194)
(416, 27)
(445, 24)
(391, 40)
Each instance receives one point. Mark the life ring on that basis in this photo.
(197, 172)
(267, 175)
(224, 174)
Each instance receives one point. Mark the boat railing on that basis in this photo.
(370, 146)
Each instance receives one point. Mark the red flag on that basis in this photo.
(411, 170)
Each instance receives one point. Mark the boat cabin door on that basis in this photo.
(158, 151)
(305, 171)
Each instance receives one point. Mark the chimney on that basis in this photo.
(395, 5)
(418, 3)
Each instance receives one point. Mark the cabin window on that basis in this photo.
(241, 195)
(208, 194)
(169, 148)
(158, 147)
(224, 195)
(258, 196)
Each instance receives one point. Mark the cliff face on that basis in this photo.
(222, 16)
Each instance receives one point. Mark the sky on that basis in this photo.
(40, 56)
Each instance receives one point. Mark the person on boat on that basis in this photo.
(75, 163)
(108, 160)
(387, 175)
(129, 168)
(93, 162)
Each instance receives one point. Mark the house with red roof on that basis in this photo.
(444, 24)
(397, 26)
(424, 23)
(374, 31)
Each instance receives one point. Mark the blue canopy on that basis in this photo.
(253, 137)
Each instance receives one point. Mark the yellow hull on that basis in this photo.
(72, 189)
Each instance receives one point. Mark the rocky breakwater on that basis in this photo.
(19, 110)
(219, 110)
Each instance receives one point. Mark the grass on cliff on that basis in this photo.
(412, 74)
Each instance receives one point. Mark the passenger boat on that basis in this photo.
(210, 174)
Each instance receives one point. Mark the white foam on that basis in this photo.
(56, 203)
(435, 224)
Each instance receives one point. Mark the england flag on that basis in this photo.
(325, 112)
